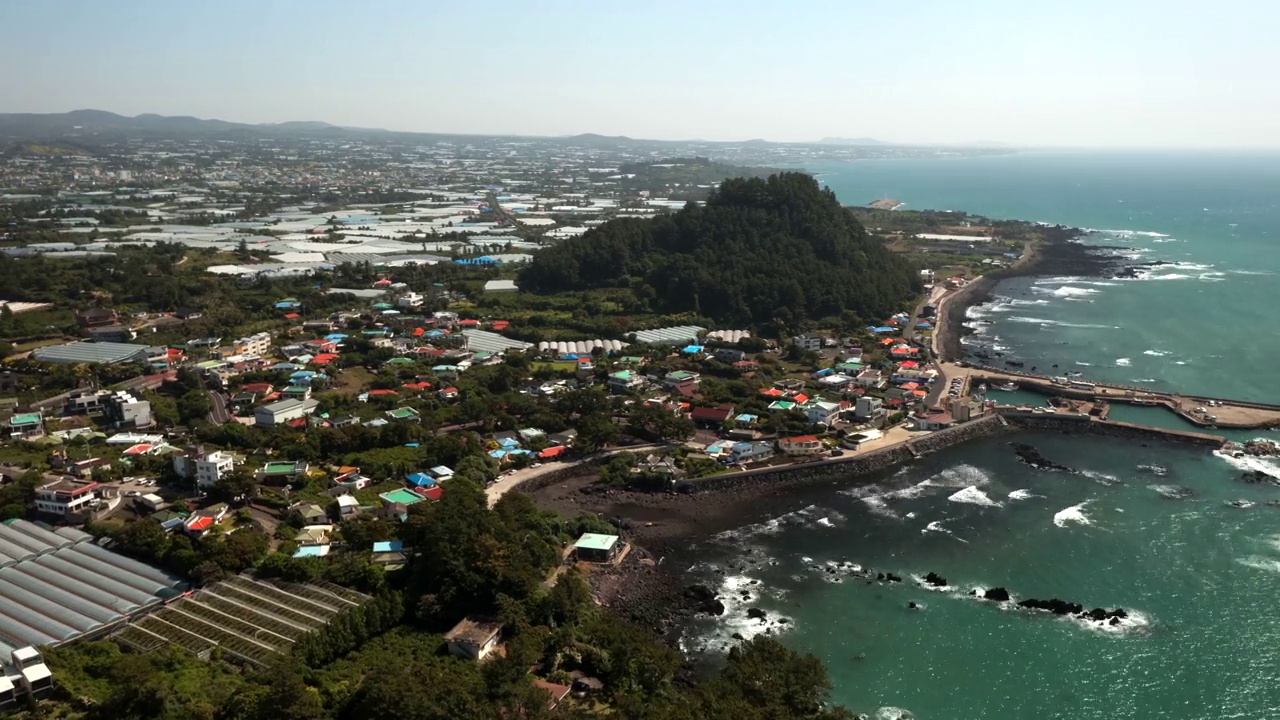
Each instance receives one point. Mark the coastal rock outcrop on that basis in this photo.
(756, 613)
(1033, 457)
(935, 580)
(703, 600)
(996, 594)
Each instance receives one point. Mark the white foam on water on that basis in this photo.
(1074, 514)
(1251, 272)
(1257, 562)
(1135, 622)
(735, 617)
(973, 496)
(877, 506)
(958, 476)
(1179, 362)
(1250, 463)
(1143, 380)
(1171, 276)
(1084, 364)
(1173, 492)
(826, 522)
(1154, 353)
(888, 712)
(1022, 495)
(1100, 477)
(1123, 362)
(932, 588)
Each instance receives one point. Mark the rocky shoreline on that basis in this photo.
(1059, 254)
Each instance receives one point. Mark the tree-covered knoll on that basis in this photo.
(758, 251)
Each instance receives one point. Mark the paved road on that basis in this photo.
(505, 485)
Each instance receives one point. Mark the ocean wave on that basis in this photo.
(1134, 622)
(877, 505)
(973, 496)
(1251, 463)
(937, 527)
(1154, 353)
(1257, 562)
(1084, 364)
(806, 516)
(1073, 514)
(958, 476)
(1043, 322)
(1173, 492)
(1073, 280)
(1100, 477)
(1022, 495)
(1127, 233)
(1123, 362)
(1143, 380)
(888, 712)
(1067, 291)
(736, 605)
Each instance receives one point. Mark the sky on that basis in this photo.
(1083, 73)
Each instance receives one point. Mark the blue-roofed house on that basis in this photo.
(421, 479)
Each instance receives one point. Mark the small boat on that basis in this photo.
(1007, 386)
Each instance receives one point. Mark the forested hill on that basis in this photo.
(760, 250)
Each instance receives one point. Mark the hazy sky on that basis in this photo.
(1165, 73)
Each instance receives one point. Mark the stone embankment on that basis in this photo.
(1111, 428)
(862, 464)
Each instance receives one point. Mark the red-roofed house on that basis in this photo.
(801, 445)
(382, 392)
(711, 416)
(292, 316)
(469, 323)
(324, 358)
(448, 393)
(500, 324)
(772, 392)
(801, 398)
(424, 385)
(554, 451)
(433, 493)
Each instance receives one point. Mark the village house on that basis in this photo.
(474, 638)
(821, 412)
(25, 426)
(280, 472)
(624, 381)
(96, 317)
(207, 468)
(809, 342)
(801, 445)
(67, 500)
(729, 355)
(597, 548)
(744, 452)
(281, 412)
(708, 416)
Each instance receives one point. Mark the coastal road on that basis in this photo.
(506, 484)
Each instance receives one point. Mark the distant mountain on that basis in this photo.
(84, 123)
(850, 141)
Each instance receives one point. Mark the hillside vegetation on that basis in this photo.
(759, 251)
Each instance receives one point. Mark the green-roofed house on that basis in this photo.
(782, 405)
(625, 381)
(25, 426)
(594, 547)
(404, 414)
(631, 360)
(280, 472)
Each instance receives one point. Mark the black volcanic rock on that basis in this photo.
(997, 594)
(935, 580)
(756, 613)
(1031, 456)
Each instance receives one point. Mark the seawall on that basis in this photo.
(1066, 423)
(862, 464)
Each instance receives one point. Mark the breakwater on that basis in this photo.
(832, 467)
(1072, 423)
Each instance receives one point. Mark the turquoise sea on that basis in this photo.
(1171, 534)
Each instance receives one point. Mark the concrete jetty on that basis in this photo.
(1202, 411)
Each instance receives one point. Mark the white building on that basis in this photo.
(127, 410)
(868, 408)
(411, 300)
(821, 412)
(258, 344)
(809, 342)
(63, 498)
(284, 411)
(206, 468)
